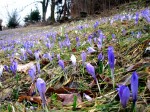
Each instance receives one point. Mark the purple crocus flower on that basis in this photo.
(61, 64)
(139, 34)
(13, 67)
(83, 56)
(91, 50)
(32, 73)
(134, 86)
(111, 61)
(38, 67)
(91, 70)
(90, 39)
(48, 45)
(78, 42)
(60, 44)
(6, 68)
(67, 41)
(113, 36)
(41, 87)
(111, 57)
(58, 56)
(48, 56)
(96, 24)
(136, 18)
(124, 94)
(124, 32)
(29, 52)
(23, 51)
(37, 55)
(100, 57)
(146, 14)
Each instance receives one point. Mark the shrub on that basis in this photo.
(13, 19)
(34, 16)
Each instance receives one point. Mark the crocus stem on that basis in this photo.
(98, 86)
(17, 78)
(46, 109)
(83, 69)
(113, 78)
(133, 107)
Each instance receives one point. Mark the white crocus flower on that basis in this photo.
(73, 59)
(1, 70)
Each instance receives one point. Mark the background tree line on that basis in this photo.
(66, 9)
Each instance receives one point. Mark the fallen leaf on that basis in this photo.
(74, 50)
(24, 68)
(66, 90)
(69, 98)
(34, 99)
(137, 65)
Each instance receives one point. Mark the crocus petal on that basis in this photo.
(91, 70)
(134, 86)
(41, 86)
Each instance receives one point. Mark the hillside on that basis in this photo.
(75, 82)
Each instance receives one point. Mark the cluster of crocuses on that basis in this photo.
(12, 68)
(124, 92)
(40, 83)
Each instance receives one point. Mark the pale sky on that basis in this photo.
(9, 5)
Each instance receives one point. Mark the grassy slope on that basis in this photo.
(128, 52)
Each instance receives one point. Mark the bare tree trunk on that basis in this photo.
(53, 10)
(44, 9)
(1, 24)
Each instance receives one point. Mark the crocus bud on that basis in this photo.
(83, 56)
(61, 64)
(6, 68)
(41, 87)
(111, 58)
(73, 59)
(100, 57)
(77, 42)
(91, 70)
(96, 24)
(32, 73)
(124, 94)
(134, 86)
